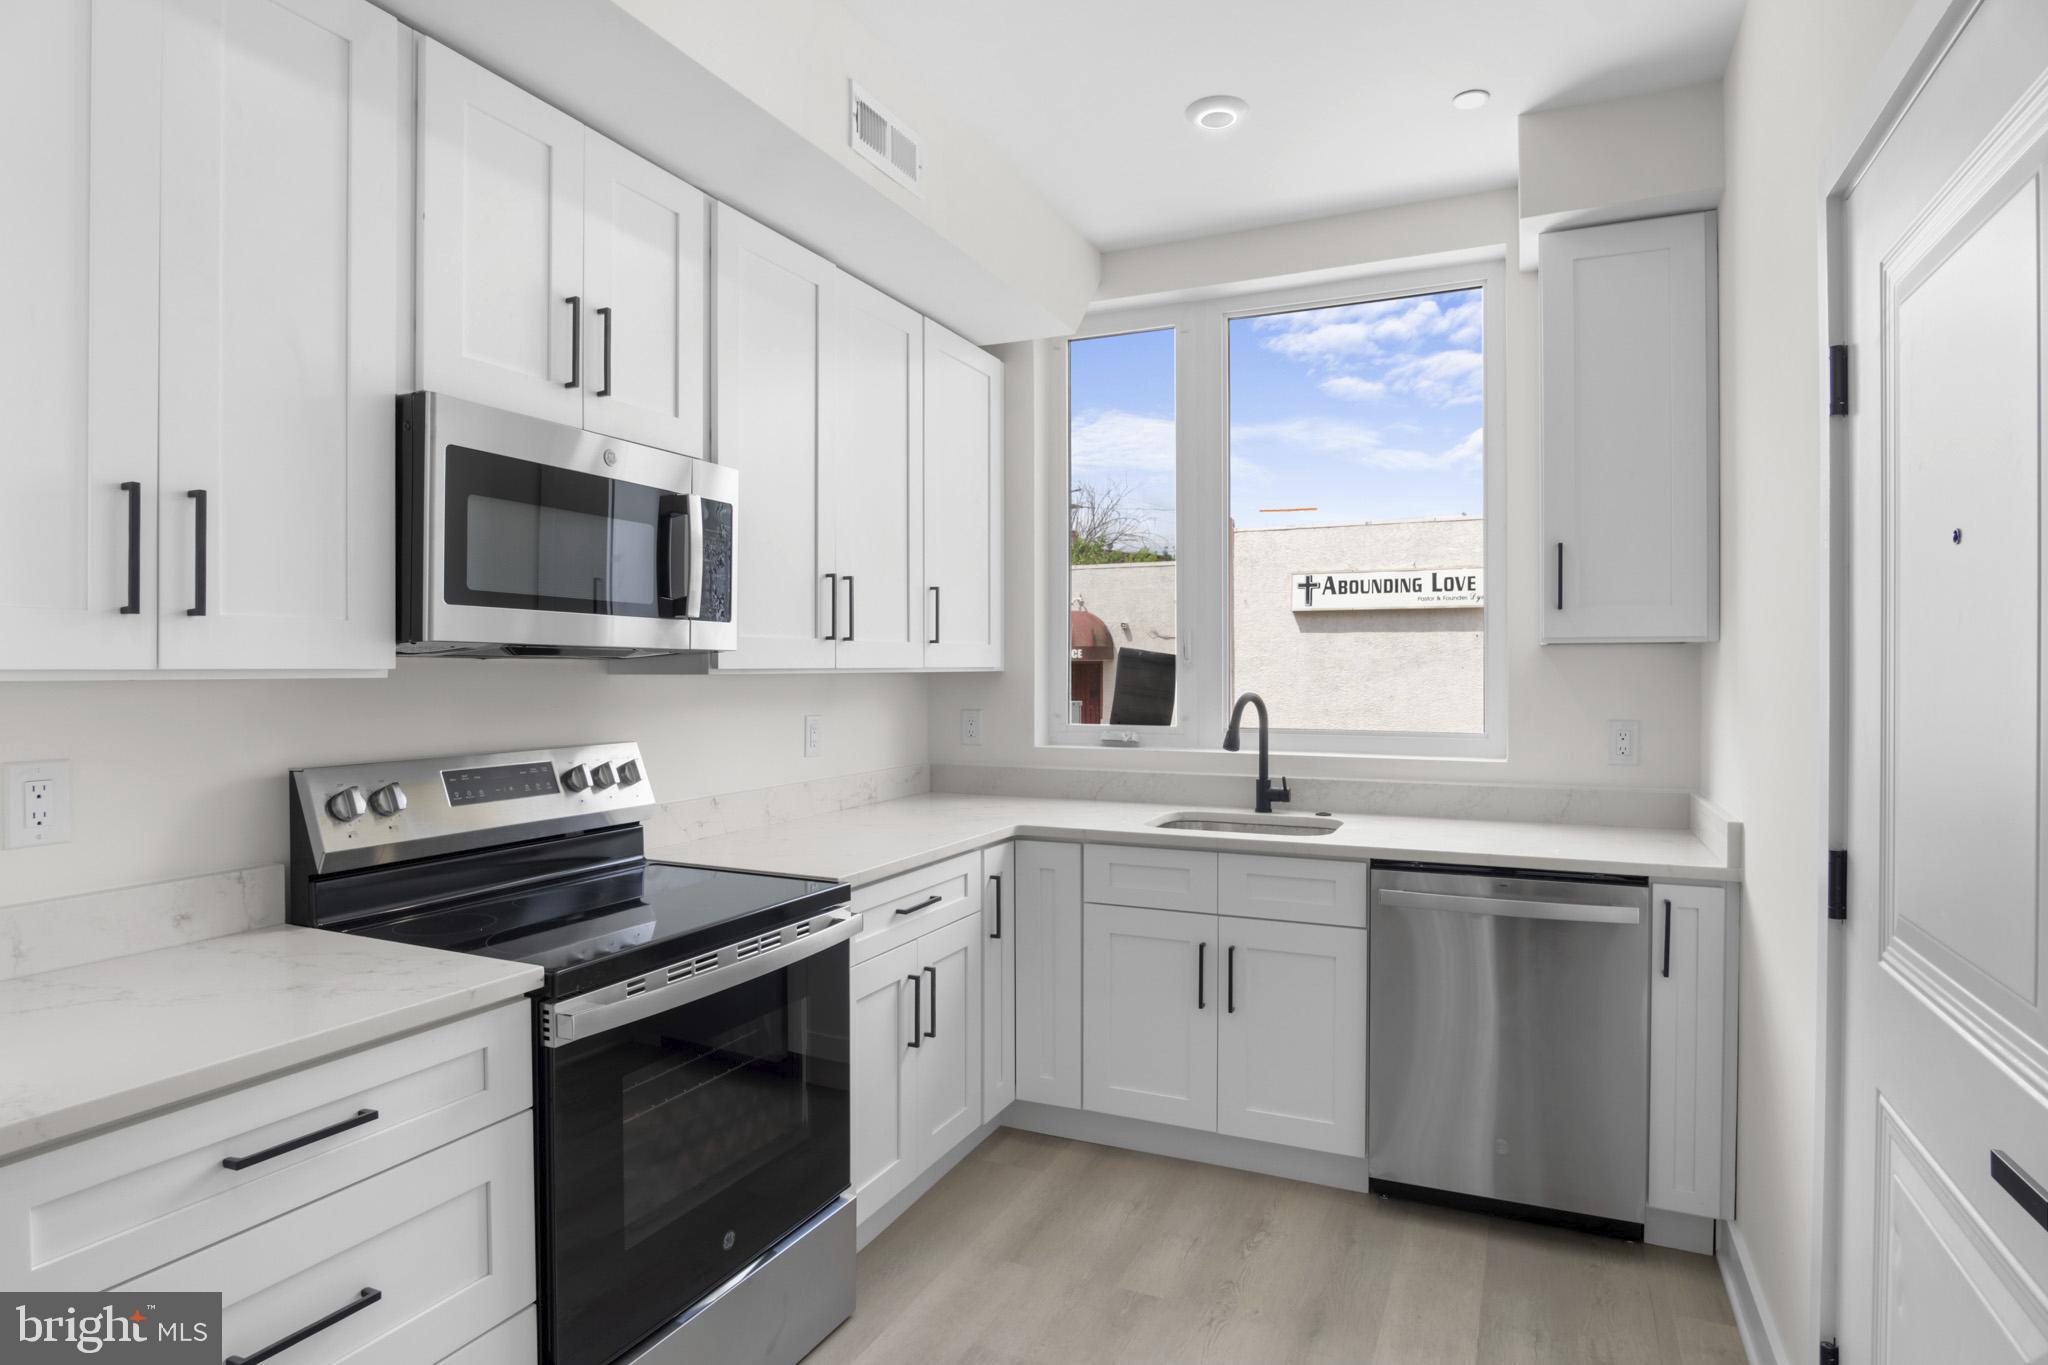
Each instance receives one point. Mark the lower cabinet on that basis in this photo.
(1148, 1012)
(1048, 898)
(1691, 1057)
(998, 980)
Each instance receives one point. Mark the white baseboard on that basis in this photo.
(869, 1226)
(1760, 1339)
(1163, 1139)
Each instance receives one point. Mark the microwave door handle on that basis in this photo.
(693, 562)
(672, 560)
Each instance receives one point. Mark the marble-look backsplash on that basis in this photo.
(49, 935)
(742, 810)
(1613, 806)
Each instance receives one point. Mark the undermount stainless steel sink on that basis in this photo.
(1243, 822)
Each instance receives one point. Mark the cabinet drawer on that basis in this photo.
(1150, 878)
(513, 1342)
(446, 1239)
(1304, 890)
(907, 907)
(95, 1213)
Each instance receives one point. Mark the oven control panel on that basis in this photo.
(362, 813)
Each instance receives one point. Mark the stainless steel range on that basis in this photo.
(690, 1039)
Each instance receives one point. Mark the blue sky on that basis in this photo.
(1365, 412)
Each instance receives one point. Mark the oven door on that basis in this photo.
(542, 536)
(679, 1146)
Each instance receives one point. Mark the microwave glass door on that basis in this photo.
(681, 1147)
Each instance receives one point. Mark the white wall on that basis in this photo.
(173, 779)
(1560, 698)
(1797, 66)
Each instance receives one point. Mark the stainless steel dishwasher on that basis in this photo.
(1509, 1043)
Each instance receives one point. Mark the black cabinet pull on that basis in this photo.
(198, 496)
(916, 1009)
(935, 616)
(575, 302)
(355, 1120)
(134, 492)
(2021, 1186)
(1560, 575)
(933, 1031)
(311, 1329)
(1667, 936)
(997, 878)
(832, 589)
(1230, 979)
(1201, 976)
(606, 314)
(849, 606)
(927, 903)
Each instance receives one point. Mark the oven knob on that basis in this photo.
(347, 804)
(629, 772)
(388, 800)
(601, 776)
(576, 779)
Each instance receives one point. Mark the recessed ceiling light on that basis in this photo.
(1470, 99)
(1214, 113)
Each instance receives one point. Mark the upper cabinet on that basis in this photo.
(1630, 454)
(560, 275)
(207, 359)
(963, 503)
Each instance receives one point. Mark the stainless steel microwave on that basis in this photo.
(524, 538)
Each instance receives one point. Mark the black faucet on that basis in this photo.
(1267, 792)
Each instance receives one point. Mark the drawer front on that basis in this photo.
(1150, 878)
(95, 1213)
(1303, 890)
(446, 1240)
(514, 1342)
(903, 908)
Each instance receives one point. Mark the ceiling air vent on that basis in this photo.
(878, 136)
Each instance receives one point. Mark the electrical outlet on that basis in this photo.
(1624, 740)
(814, 736)
(38, 803)
(970, 725)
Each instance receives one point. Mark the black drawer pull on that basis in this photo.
(355, 1120)
(927, 903)
(1230, 977)
(1201, 976)
(832, 591)
(916, 1009)
(311, 1329)
(2021, 1186)
(134, 492)
(1560, 575)
(606, 390)
(935, 617)
(1667, 938)
(198, 496)
(575, 302)
(997, 878)
(933, 1031)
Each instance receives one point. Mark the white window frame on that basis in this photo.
(1202, 494)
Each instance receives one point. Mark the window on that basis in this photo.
(1286, 494)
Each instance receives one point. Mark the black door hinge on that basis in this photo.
(1830, 1354)
(1838, 381)
(1838, 883)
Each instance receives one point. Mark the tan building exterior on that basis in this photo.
(1369, 662)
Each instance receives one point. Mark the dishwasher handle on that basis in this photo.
(1395, 899)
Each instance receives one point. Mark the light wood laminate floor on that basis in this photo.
(1038, 1249)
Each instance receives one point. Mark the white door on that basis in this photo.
(79, 135)
(1689, 1056)
(645, 274)
(1148, 1014)
(282, 131)
(949, 1046)
(884, 1078)
(1945, 1034)
(1291, 1056)
(1048, 900)
(998, 979)
(871, 449)
(500, 242)
(963, 503)
(769, 299)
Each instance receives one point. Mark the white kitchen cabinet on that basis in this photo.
(1691, 1084)
(78, 351)
(280, 289)
(1148, 1014)
(871, 448)
(1048, 929)
(963, 503)
(1291, 1055)
(1304, 890)
(885, 1113)
(1630, 450)
(501, 186)
(769, 299)
(949, 1042)
(1157, 878)
(515, 1341)
(645, 252)
(998, 980)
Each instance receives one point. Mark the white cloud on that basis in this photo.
(1349, 332)
(1351, 441)
(1111, 440)
(1351, 387)
(1440, 377)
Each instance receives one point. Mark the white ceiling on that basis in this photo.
(1350, 99)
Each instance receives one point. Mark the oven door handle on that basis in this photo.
(586, 1016)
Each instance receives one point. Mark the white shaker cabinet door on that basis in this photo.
(1048, 929)
(280, 298)
(501, 186)
(1148, 1014)
(1688, 1049)
(1292, 1056)
(885, 1112)
(79, 135)
(949, 1042)
(998, 979)
(963, 503)
(645, 277)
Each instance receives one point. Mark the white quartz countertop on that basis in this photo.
(95, 1045)
(868, 843)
